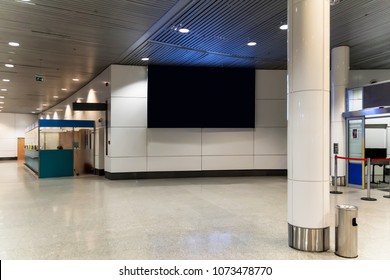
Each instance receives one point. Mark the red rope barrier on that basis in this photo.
(349, 158)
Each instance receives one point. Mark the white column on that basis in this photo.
(339, 82)
(308, 124)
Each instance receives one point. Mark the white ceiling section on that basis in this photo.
(67, 39)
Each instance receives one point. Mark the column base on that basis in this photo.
(308, 239)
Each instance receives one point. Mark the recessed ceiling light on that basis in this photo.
(6, 80)
(55, 96)
(44, 105)
(25, 2)
(1, 102)
(145, 58)
(38, 109)
(14, 44)
(33, 112)
(9, 65)
(1, 107)
(284, 27)
(184, 30)
(76, 79)
(251, 44)
(64, 89)
(59, 110)
(1, 96)
(4, 89)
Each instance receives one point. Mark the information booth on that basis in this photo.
(60, 148)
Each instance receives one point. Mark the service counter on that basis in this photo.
(53, 147)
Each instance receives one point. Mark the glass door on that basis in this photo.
(355, 147)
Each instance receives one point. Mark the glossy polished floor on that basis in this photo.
(202, 218)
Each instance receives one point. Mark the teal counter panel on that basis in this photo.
(55, 163)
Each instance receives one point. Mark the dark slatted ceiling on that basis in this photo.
(63, 39)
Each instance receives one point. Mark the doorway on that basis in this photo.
(21, 143)
(355, 148)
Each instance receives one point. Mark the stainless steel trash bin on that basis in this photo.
(346, 231)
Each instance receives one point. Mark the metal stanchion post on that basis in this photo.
(335, 177)
(368, 198)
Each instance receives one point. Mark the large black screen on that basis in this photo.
(201, 97)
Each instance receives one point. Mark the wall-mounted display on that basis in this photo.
(201, 97)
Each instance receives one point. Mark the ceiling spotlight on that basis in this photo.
(76, 79)
(14, 44)
(145, 59)
(184, 30)
(64, 89)
(55, 96)
(251, 44)
(3, 89)
(6, 80)
(283, 27)
(1, 96)
(1, 102)
(9, 65)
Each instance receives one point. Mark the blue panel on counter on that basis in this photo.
(66, 123)
(55, 163)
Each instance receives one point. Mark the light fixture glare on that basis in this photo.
(184, 30)
(14, 44)
(284, 27)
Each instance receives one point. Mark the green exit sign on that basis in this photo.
(39, 78)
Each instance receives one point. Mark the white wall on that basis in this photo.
(134, 148)
(358, 78)
(12, 126)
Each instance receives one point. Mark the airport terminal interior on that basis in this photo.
(194, 129)
(89, 217)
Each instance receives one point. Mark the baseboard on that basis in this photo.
(194, 174)
(8, 158)
(99, 172)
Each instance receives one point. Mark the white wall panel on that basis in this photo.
(174, 163)
(130, 112)
(12, 126)
(21, 122)
(227, 162)
(271, 84)
(271, 113)
(128, 142)
(174, 142)
(7, 125)
(227, 141)
(8, 153)
(270, 162)
(129, 164)
(271, 141)
(7, 144)
(107, 164)
(375, 138)
(358, 78)
(128, 81)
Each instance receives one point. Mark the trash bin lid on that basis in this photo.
(347, 207)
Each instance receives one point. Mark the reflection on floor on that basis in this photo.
(203, 218)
